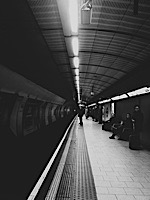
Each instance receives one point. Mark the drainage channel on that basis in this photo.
(77, 182)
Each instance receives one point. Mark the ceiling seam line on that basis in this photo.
(129, 42)
(107, 68)
(117, 32)
(114, 33)
(94, 38)
(96, 52)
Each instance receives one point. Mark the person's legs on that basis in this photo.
(112, 136)
(81, 122)
(113, 129)
(119, 131)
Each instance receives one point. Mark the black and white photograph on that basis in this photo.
(74, 99)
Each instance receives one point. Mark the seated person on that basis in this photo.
(116, 127)
(123, 129)
(108, 124)
(127, 128)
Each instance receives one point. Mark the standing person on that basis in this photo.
(127, 123)
(137, 119)
(86, 113)
(80, 115)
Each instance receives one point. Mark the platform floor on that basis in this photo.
(119, 173)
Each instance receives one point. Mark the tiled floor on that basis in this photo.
(119, 173)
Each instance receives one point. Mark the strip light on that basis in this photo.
(94, 104)
(77, 72)
(140, 91)
(123, 96)
(73, 12)
(75, 46)
(104, 101)
(76, 62)
(78, 97)
(77, 78)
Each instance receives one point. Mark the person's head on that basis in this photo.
(128, 115)
(136, 108)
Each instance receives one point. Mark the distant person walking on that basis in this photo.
(80, 115)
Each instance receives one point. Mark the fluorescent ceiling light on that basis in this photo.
(76, 62)
(140, 91)
(78, 88)
(82, 105)
(75, 46)
(92, 105)
(147, 90)
(77, 78)
(73, 11)
(104, 101)
(77, 82)
(78, 97)
(123, 96)
(77, 72)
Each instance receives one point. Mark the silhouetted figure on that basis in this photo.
(80, 115)
(137, 119)
(87, 113)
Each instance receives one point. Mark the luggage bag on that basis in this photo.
(134, 142)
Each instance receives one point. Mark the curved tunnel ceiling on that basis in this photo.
(115, 39)
(114, 45)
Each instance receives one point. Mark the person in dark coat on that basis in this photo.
(108, 124)
(80, 115)
(116, 124)
(127, 123)
(126, 129)
(137, 119)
